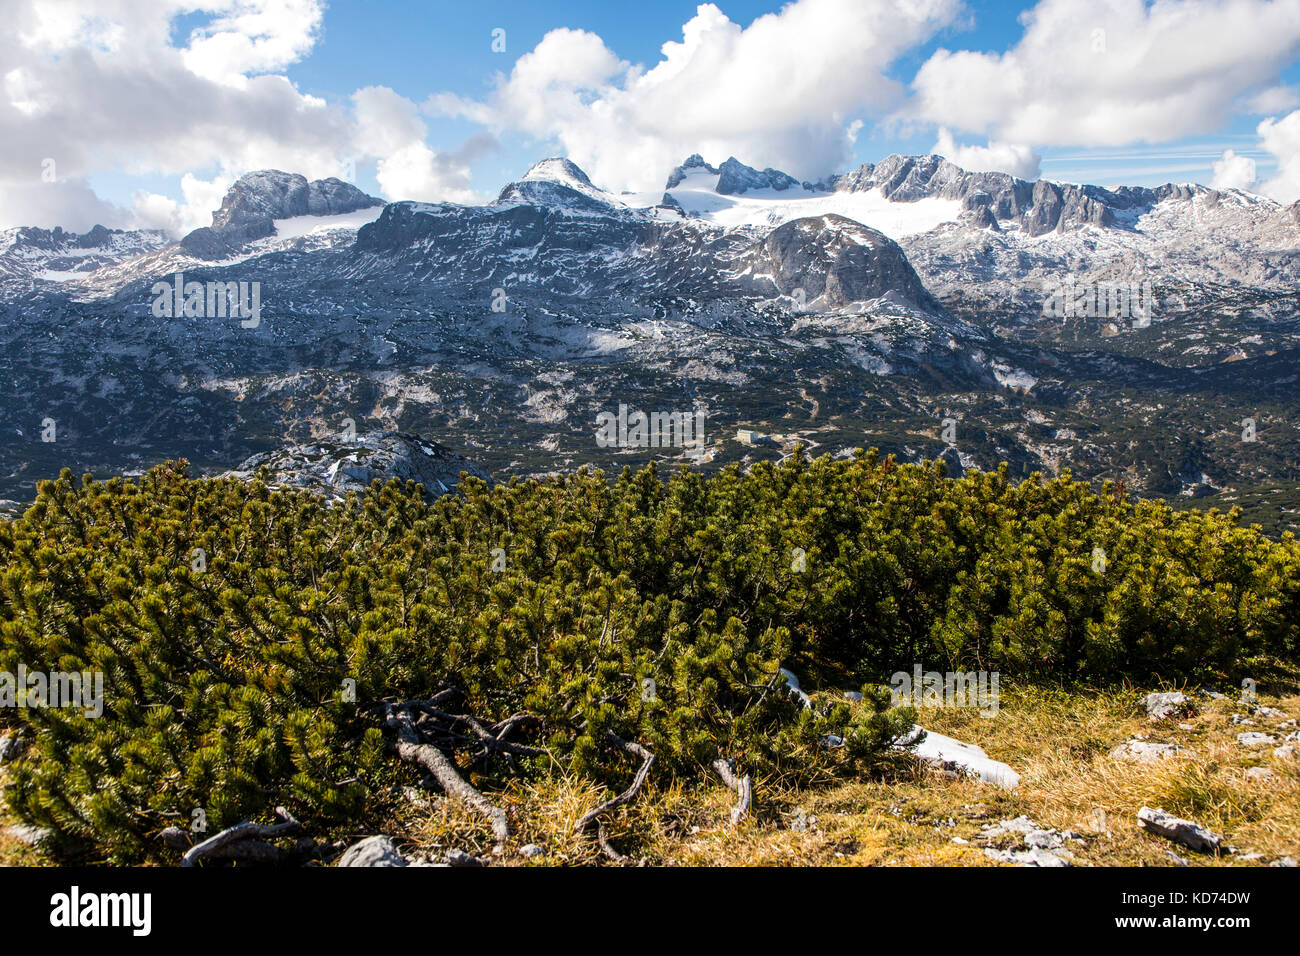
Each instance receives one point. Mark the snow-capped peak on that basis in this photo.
(557, 169)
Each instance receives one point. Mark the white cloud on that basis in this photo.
(201, 197)
(391, 131)
(781, 92)
(997, 157)
(1275, 99)
(253, 36)
(1113, 72)
(103, 84)
(1233, 171)
(1282, 139)
(71, 204)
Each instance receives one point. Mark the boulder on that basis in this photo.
(1255, 739)
(1189, 834)
(1144, 751)
(372, 851)
(32, 836)
(1031, 857)
(12, 744)
(1166, 705)
(336, 466)
(947, 753)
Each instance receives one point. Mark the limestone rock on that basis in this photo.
(1255, 739)
(372, 851)
(1166, 705)
(1189, 834)
(1144, 751)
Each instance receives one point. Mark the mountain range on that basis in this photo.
(1148, 336)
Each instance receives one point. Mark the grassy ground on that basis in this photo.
(1058, 741)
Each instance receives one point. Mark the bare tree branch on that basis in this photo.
(220, 845)
(413, 750)
(742, 785)
(627, 795)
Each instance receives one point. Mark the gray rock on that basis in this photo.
(1144, 751)
(735, 178)
(1285, 861)
(836, 261)
(694, 161)
(1031, 857)
(461, 858)
(372, 851)
(1271, 712)
(1044, 839)
(12, 745)
(532, 850)
(257, 199)
(30, 835)
(1255, 739)
(1189, 834)
(1260, 773)
(1241, 720)
(334, 467)
(1165, 705)
(947, 753)
(1286, 752)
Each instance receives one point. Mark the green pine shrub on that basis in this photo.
(658, 611)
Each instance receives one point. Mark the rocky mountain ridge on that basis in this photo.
(867, 309)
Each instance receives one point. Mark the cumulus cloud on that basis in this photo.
(1112, 72)
(782, 92)
(1282, 139)
(201, 197)
(1233, 171)
(253, 36)
(391, 130)
(1275, 99)
(71, 204)
(417, 172)
(104, 84)
(1010, 158)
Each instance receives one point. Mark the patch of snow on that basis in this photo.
(296, 226)
(769, 208)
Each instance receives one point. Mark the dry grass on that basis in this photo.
(1058, 741)
(15, 852)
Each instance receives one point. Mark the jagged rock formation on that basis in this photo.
(335, 467)
(257, 199)
(31, 256)
(735, 178)
(861, 309)
(837, 261)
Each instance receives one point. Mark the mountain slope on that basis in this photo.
(906, 304)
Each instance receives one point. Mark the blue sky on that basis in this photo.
(417, 47)
(152, 107)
